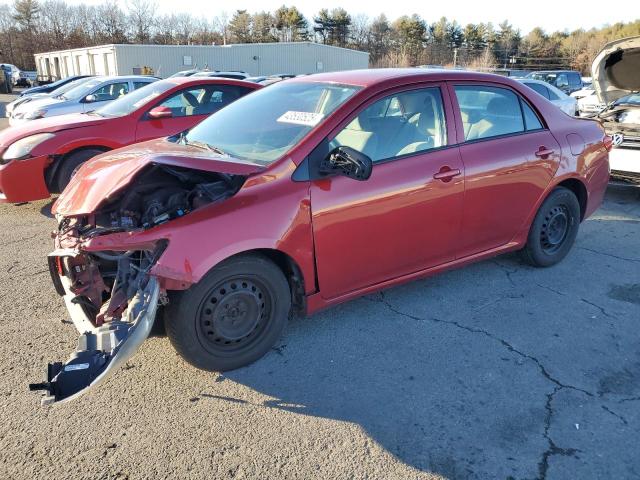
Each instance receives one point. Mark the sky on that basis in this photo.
(551, 15)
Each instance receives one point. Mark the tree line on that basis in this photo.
(32, 26)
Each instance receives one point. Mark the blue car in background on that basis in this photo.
(51, 86)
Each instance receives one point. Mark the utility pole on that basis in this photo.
(455, 57)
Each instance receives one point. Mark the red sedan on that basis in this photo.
(308, 193)
(41, 156)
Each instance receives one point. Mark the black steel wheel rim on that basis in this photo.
(555, 229)
(233, 315)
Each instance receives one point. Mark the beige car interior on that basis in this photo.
(399, 125)
(501, 116)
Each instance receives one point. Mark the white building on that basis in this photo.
(165, 60)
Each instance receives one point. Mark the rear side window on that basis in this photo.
(575, 80)
(137, 85)
(493, 111)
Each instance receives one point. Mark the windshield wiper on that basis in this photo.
(203, 146)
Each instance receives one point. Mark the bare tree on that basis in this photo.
(141, 19)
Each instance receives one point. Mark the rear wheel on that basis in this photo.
(70, 165)
(554, 229)
(232, 317)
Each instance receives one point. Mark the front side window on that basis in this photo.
(136, 99)
(111, 91)
(400, 124)
(203, 100)
(264, 126)
(562, 81)
(488, 111)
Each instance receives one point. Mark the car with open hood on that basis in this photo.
(311, 192)
(85, 97)
(40, 157)
(616, 80)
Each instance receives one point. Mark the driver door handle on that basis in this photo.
(544, 152)
(446, 174)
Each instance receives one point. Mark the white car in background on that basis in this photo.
(86, 97)
(583, 92)
(616, 80)
(564, 102)
(590, 104)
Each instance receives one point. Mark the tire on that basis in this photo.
(70, 165)
(554, 229)
(232, 317)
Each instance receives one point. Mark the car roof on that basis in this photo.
(213, 80)
(374, 76)
(109, 78)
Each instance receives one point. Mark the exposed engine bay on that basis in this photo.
(160, 193)
(110, 295)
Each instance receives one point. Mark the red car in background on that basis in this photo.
(41, 156)
(305, 194)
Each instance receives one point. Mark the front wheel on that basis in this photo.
(554, 229)
(232, 317)
(70, 165)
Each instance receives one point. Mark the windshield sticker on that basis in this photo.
(308, 119)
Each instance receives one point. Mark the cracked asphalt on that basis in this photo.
(497, 370)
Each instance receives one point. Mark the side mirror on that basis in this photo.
(90, 98)
(348, 162)
(160, 112)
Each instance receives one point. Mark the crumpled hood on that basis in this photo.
(48, 125)
(105, 175)
(616, 69)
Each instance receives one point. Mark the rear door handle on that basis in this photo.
(544, 152)
(446, 174)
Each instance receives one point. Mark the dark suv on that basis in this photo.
(566, 80)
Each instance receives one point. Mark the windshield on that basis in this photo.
(545, 77)
(265, 125)
(134, 100)
(65, 88)
(82, 90)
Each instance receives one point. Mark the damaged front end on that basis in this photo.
(112, 295)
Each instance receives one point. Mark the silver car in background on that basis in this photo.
(85, 97)
(564, 102)
(10, 107)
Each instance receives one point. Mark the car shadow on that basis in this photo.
(453, 374)
(439, 398)
(46, 209)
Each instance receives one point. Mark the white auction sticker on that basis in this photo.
(76, 366)
(309, 119)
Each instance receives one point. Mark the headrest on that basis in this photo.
(415, 102)
(502, 106)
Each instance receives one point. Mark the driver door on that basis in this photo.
(189, 107)
(406, 217)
